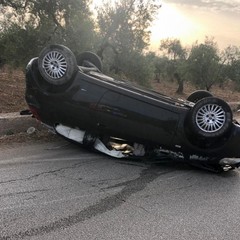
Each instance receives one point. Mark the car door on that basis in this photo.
(136, 117)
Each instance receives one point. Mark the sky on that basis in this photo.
(193, 20)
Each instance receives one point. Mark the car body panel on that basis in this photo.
(101, 105)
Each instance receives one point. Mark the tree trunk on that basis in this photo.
(180, 83)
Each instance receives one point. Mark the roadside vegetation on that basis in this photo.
(119, 34)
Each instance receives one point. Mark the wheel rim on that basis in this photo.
(55, 65)
(210, 118)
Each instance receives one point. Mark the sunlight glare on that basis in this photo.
(171, 23)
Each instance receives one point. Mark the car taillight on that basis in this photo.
(35, 113)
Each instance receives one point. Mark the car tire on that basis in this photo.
(87, 59)
(57, 64)
(198, 95)
(210, 118)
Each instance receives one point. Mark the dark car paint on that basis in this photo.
(108, 107)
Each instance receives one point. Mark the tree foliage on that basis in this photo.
(124, 24)
(43, 22)
(123, 27)
(204, 64)
(173, 49)
(231, 58)
(176, 54)
(119, 33)
(16, 51)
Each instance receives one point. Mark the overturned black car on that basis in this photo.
(73, 97)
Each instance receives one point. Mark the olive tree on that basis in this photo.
(177, 55)
(42, 22)
(231, 66)
(204, 64)
(123, 27)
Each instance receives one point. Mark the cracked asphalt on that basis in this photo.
(60, 191)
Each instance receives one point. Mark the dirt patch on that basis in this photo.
(12, 90)
(226, 92)
(23, 137)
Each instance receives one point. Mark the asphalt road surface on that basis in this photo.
(60, 191)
